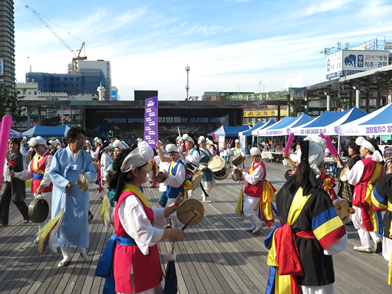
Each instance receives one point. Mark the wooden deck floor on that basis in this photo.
(215, 256)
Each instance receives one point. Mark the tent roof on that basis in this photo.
(280, 128)
(229, 131)
(267, 125)
(378, 122)
(59, 131)
(255, 127)
(328, 122)
(15, 134)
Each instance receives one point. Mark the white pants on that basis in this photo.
(362, 232)
(48, 197)
(386, 249)
(190, 194)
(208, 186)
(175, 222)
(67, 254)
(326, 289)
(251, 205)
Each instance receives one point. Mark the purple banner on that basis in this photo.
(151, 121)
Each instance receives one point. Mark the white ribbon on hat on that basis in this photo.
(186, 137)
(138, 157)
(201, 139)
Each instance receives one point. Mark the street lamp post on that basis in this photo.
(187, 69)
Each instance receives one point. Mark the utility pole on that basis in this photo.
(187, 69)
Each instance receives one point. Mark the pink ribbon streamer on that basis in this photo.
(329, 144)
(289, 141)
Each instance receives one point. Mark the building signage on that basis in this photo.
(151, 121)
(348, 62)
(261, 113)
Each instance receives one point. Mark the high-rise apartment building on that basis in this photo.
(105, 67)
(7, 46)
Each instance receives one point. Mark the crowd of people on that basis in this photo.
(301, 247)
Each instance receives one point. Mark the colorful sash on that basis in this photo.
(283, 256)
(368, 213)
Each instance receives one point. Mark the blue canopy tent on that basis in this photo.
(15, 134)
(328, 122)
(228, 131)
(267, 125)
(256, 126)
(59, 131)
(378, 122)
(282, 127)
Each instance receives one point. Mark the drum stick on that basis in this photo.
(196, 213)
(287, 148)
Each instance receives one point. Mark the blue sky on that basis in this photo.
(229, 45)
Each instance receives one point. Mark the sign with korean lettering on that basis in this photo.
(348, 62)
(264, 113)
(151, 121)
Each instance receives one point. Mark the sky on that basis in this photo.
(230, 45)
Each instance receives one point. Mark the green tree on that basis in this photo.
(9, 98)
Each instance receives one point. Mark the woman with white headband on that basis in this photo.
(363, 176)
(136, 263)
(208, 181)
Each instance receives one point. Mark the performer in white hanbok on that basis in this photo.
(98, 143)
(191, 155)
(38, 171)
(138, 228)
(66, 166)
(363, 176)
(208, 181)
(24, 151)
(236, 151)
(175, 180)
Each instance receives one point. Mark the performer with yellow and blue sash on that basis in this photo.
(236, 151)
(300, 250)
(175, 181)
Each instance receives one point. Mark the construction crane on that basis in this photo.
(77, 55)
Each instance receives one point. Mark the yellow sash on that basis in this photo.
(136, 190)
(283, 283)
(37, 157)
(187, 185)
(238, 151)
(239, 207)
(267, 197)
(369, 193)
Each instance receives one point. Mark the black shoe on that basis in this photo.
(90, 217)
(378, 246)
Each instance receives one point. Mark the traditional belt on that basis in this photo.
(38, 177)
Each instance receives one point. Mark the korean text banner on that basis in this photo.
(151, 121)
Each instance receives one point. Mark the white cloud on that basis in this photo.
(297, 82)
(326, 6)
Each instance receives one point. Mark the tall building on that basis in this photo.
(85, 81)
(105, 67)
(7, 45)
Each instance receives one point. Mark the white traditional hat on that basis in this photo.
(24, 139)
(139, 139)
(96, 138)
(201, 139)
(87, 141)
(171, 148)
(179, 139)
(316, 152)
(58, 141)
(138, 157)
(186, 137)
(255, 151)
(372, 147)
(108, 147)
(236, 141)
(37, 141)
(53, 143)
(120, 145)
(99, 141)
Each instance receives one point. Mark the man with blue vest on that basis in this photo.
(175, 179)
